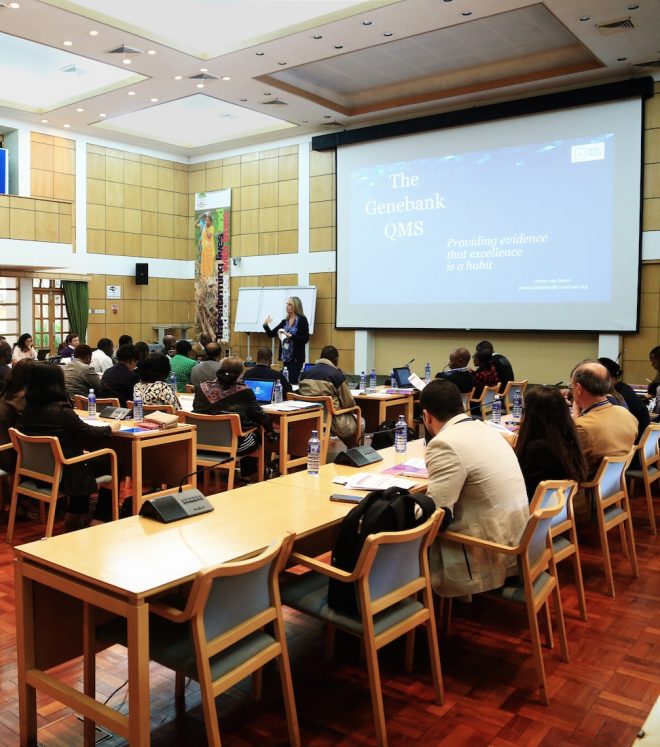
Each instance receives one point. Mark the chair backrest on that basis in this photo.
(535, 547)
(610, 478)
(82, 403)
(512, 388)
(214, 432)
(323, 399)
(235, 599)
(394, 565)
(545, 496)
(648, 445)
(466, 397)
(153, 408)
(38, 457)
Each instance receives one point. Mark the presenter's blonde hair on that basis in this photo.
(297, 306)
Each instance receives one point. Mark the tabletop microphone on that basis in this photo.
(200, 469)
(412, 360)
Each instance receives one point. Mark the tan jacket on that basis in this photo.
(606, 430)
(333, 384)
(474, 472)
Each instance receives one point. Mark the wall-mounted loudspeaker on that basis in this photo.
(141, 273)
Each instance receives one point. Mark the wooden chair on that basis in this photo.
(510, 390)
(40, 460)
(562, 530)
(390, 574)
(484, 402)
(217, 443)
(610, 501)
(170, 409)
(537, 578)
(649, 458)
(217, 635)
(467, 397)
(6, 479)
(82, 403)
(328, 413)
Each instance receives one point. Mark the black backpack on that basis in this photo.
(390, 510)
(383, 436)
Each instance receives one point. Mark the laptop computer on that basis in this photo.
(307, 366)
(402, 377)
(263, 390)
(42, 354)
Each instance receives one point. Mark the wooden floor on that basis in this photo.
(602, 697)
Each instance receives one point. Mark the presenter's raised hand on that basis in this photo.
(268, 320)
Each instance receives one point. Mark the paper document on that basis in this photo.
(409, 468)
(416, 381)
(373, 481)
(290, 406)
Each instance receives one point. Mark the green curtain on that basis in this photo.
(76, 300)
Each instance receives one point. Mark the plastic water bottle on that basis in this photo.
(285, 373)
(427, 372)
(363, 382)
(401, 436)
(313, 454)
(138, 413)
(392, 379)
(496, 414)
(91, 404)
(277, 392)
(517, 411)
(173, 383)
(372, 379)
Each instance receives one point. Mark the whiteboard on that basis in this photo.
(255, 304)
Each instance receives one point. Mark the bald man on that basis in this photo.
(603, 429)
(459, 373)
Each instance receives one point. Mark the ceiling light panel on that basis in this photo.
(38, 78)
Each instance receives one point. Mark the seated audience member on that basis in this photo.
(501, 362)
(125, 340)
(547, 446)
(602, 428)
(102, 356)
(634, 403)
(68, 347)
(459, 373)
(486, 373)
(263, 372)
(142, 352)
(5, 361)
(199, 346)
(226, 395)
(153, 385)
(474, 475)
(169, 345)
(182, 364)
(48, 413)
(324, 378)
(122, 377)
(654, 360)
(12, 404)
(206, 370)
(24, 348)
(79, 376)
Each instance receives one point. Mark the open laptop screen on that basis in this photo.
(401, 376)
(263, 390)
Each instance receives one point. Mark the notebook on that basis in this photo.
(402, 376)
(263, 390)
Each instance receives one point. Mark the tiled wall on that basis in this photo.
(35, 220)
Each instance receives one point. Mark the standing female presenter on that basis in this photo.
(293, 332)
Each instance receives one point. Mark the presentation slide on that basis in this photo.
(525, 223)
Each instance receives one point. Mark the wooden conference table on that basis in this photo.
(379, 406)
(67, 583)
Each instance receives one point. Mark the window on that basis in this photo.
(51, 324)
(9, 308)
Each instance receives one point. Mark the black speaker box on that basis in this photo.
(141, 273)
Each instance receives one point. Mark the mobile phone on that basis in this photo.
(346, 498)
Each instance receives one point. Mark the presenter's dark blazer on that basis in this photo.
(300, 339)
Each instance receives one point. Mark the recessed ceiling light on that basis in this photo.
(317, 36)
(67, 126)
(67, 43)
(102, 114)
(367, 23)
(44, 121)
(127, 61)
(630, 7)
(243, 99)
(131, 93)
(585, 18)
(282, 62)
(200, 85)
(466, 13)
(93, 32)
(621, 59)
(80, 109)
(14, 6)
(152, 52)
(339, 46)
(260, 54)
(226, 77)
(154, 100)
(388, 33)
(267, 93)
(203, 69)
(327, 116)
(178, 77)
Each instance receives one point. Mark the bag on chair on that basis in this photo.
(383, 436)
(390, 510)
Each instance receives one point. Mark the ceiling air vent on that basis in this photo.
(647, 66)
(203, 76)
(125, 50)
(614, 27)
(274, 102)
(75, 69)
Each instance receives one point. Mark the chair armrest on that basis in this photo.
(169, 613)
(318, 565)
(466, 539)
(93, 455)
(7, 446)
(589, 484)
(346, 410)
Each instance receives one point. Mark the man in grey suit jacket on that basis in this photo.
(474, 475)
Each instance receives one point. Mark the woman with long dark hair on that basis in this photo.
(153, 386)
(293, 332)
(48, 413)
(23, 348)
(547, 446)
(12, 404)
